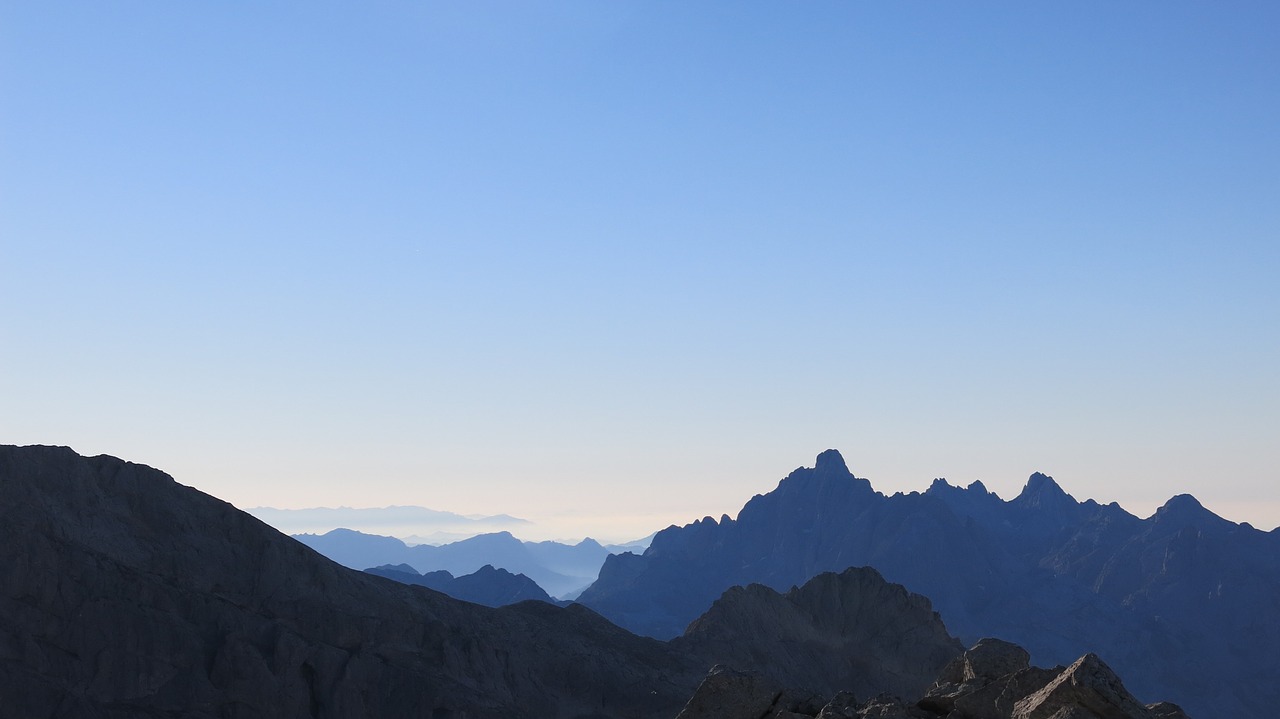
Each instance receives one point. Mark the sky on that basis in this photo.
(613, 266)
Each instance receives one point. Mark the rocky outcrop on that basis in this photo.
(992, 680)
(848, 631)
(730, 694)
(1177, 602)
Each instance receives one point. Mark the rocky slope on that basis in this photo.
(849, 631)
(125, 594)
(1182, 603)
(993, 680)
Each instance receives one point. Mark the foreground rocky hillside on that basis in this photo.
(125, 594)
(1183, 603)
(993, 680)
(851, 631)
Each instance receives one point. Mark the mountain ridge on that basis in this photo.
(1056, 575)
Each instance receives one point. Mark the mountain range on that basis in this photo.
(427, 526)
(488, 585)
(126, 594)
(562, 570)
(1184, 604)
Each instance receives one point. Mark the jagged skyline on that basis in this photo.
(610, 267)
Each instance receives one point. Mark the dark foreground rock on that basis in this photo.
(850, 631)
(125, 594)
(990, 681)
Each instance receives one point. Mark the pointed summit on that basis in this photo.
(831, 461)
(1044, 493)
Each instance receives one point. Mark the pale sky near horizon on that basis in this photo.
(610, 266)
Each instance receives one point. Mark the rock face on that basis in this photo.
(730, 694)
(850, 631)
(1181, 602)
(488, 586)
(125, 594)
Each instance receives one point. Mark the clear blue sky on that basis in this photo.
(611, 265)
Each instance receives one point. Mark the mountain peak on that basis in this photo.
(1041, 491)
(831, 461)
(1040, 482)
(1186, 509)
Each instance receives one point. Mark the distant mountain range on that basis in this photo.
(562, 570)
(124, 594)
(427, 526)
(487, 585)
(1184, 604)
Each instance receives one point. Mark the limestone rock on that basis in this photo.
(729, 694)
(1087, 684)
(844, 705)
(1166, 710)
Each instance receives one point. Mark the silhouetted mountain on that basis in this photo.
(488, 586)
(1182, 603)
(560, 569)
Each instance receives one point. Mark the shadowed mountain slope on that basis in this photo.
(125, 594)
(851, 631)
(1183, 603)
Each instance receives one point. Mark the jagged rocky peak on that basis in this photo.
(1043, 493)
(994, 679)
(939, 484)
(828, 470)
(831, 462)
